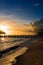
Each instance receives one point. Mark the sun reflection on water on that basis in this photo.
(2, 39)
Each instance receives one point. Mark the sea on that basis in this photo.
(10, 48)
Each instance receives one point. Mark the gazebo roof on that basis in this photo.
(2, 32)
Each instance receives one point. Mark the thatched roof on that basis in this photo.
(2, 32)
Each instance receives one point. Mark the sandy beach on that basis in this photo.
(33, 56)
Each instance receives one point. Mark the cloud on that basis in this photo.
(26, 24)
(36, 4)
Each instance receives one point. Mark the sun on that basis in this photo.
(4, 28)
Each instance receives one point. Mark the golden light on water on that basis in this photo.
(2, 39)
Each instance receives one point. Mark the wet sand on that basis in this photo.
(33, 56)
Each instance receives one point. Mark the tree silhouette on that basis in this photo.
(2, 32)
(39, 27)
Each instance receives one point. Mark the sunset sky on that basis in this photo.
(14, 14)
